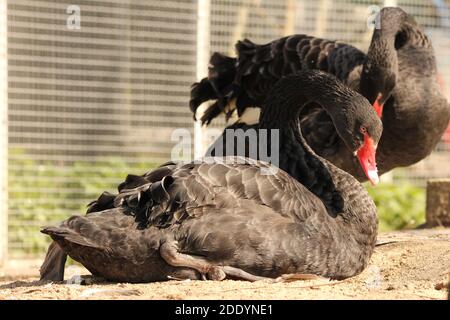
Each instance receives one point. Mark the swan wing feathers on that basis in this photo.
(247, 79)
(190, 190)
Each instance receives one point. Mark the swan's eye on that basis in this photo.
(363, 130)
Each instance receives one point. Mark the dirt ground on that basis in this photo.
(406, 265)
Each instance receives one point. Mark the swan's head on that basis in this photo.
(361, 129)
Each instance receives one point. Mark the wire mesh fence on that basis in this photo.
(90, 102)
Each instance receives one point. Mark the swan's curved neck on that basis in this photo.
(382, 53)
(281, 111)
(394, 29)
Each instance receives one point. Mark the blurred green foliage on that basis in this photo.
(400, 205)
(46, 192)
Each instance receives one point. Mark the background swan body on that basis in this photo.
(397, 75)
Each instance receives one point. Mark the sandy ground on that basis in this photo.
(407, 265)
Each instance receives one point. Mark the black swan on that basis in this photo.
(225, 217)
(398, 72)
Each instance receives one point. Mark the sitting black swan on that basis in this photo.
(398, 72)
(224, 216)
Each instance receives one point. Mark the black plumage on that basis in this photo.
(226, 217)
(399, 68)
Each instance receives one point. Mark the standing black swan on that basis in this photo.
(224, 216)
(398, 72)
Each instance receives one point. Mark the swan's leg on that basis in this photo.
(289, 277)
(182, 274)
(242, 275)
(169, 252)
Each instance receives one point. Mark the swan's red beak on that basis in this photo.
(366, 157)
(378, 106)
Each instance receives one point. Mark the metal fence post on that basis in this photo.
(3, 134)
(203, 45)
